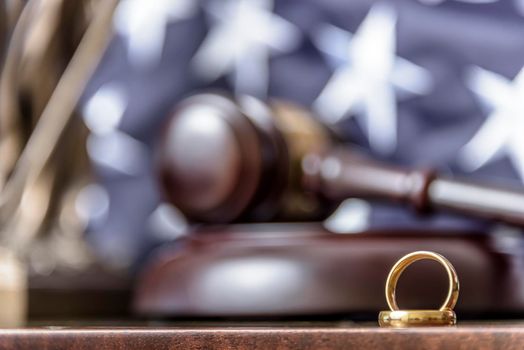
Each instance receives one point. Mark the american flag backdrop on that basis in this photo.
(418, 83)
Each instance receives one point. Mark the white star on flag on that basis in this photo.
(107, 145)
(366, 75)
(240, 41)
(519, 4)
(501, 133)
(143, 25)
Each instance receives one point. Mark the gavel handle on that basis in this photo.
(341, 174)
(490, 202)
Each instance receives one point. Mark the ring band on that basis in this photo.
(414, 318)
(444, 316)
(405, 261)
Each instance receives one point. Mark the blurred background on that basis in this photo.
(428, 60)
(112, 172)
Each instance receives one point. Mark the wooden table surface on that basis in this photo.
(291, 335)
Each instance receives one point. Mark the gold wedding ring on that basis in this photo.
(445, 316)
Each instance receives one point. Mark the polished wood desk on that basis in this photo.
(103, 297)
(291, 335)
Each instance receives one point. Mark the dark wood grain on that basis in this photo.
(467, 336)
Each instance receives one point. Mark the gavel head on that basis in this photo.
(223, 159)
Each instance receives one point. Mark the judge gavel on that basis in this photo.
(225, 159)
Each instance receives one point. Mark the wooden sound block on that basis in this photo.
(274, 270)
